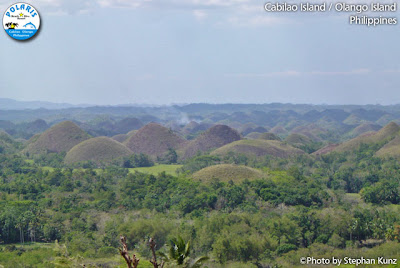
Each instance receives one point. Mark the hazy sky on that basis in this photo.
(182, 51)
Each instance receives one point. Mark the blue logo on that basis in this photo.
(21, 21)
(30, 25)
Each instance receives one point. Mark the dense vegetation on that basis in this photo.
(238, 188)
(338, 202)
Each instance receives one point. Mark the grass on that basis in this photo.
(50, 169)
(30, 161)
(298, 139)
(154, 140)
(27, 255)
(97, 149)
(387, 133)
(364, 128)
(390, 149)
(44, 255)
(154, 170)
(227, 172)
(30, 245)
(214, 137)
(59, 138)
(259, 148)
(353, 198)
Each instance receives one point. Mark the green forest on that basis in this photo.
(338, 205)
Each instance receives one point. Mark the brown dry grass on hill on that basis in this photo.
(327, 149)
(6, 141)
(120, 137)
(279, 130)
(259, 148)
(227, 172)
(154, 140)
(390, 149)
(269, 136)
(297, 139)
(97, 149)
(386, 133)
(59, 138)
(253, 135)
(364, 128)
(215, 137)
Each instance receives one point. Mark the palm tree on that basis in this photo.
(179, 252)
(20, 224)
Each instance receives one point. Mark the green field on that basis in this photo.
(46, 255)
(154, 170)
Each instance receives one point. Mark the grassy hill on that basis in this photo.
(296, 139)
(259, 148)
(312, 131)
(214, 137)
(36, 126)
(269, 136)
(387, 133)
(353, 120)
(253, 135)
(327, 149)
(59, 138)
(5, 137)
(386, 119)
(97, 149)
(226, 172)
(154, 140)
(279, 130)
(390, 149)
(33, 139)
(127, 124)
(251, 127)
(7, 143)
(131, 133)
(364, 128)
(120, 137)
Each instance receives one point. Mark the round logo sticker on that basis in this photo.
(21, 21)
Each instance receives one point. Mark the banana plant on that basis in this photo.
(179, 252)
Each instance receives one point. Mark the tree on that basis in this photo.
(131, 262)
(137, 160)
(171, 157)
(381, 193)
(179, 252)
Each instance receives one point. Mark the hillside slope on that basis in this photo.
(154, 140)
(227, 172)
(387, 133)
(59, 138)
(390, 149)
(259, 148)
(97, 149)
(215, 137)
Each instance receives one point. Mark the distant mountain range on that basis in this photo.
(10, 104)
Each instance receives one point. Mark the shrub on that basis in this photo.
(107, 252)
(285, 248)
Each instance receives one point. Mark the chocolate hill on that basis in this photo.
(215, 137)
(154, 140)
(97, 149)
(258, 148)
(59, 138)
